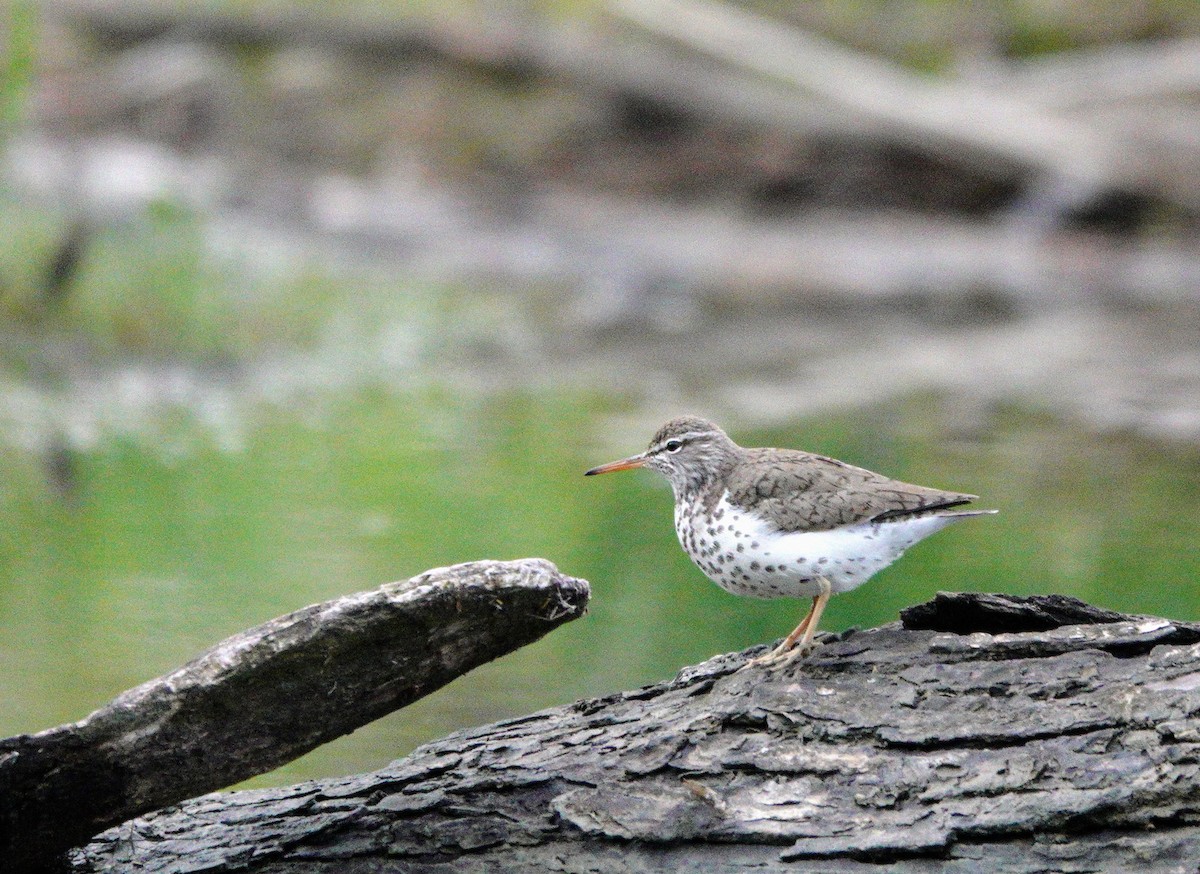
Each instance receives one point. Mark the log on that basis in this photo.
(982, 732)
(956, 119)
(1138, 72)
(268, 695)
(923, 112)
(593, 58)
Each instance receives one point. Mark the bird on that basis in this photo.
(768, 523)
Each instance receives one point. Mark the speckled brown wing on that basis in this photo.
(800, 491)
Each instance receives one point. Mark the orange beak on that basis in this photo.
(624, 464)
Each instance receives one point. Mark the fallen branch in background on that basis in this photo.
(1065, 143)
(1037, 734)
(1107, 75)
(952, 118)
(1113, 117)
(268, 695)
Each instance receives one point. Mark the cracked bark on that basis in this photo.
(981, 731)
(266, 696)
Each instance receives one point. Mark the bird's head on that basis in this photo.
(688, 451)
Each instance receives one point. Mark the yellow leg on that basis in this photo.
(814, 615)
(803, 633)
(801, 629)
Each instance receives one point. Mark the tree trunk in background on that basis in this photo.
(982, 733)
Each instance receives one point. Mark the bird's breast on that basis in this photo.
(737, 550)
(745, 555)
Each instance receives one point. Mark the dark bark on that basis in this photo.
(949, 743)
(268, 695)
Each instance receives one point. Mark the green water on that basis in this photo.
(156, 529)
(143, 555)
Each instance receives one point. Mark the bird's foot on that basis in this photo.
(782, 655)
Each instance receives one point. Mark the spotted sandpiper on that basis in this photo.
(785, 523)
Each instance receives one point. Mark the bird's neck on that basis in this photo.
(705, 483)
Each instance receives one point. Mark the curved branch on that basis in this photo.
(268, 695)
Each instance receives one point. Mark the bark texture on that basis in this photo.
(982, 733)
(266, 696)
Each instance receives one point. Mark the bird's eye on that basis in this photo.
(674, 445)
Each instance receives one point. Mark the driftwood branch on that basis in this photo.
(1119, 118)
(1079, 79)
(982, 733)
(267, 696)
(591, 58)
(953, 118)
(925, 112)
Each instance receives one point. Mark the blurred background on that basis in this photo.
(297, 299)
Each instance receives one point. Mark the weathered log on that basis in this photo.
(982, 733)
(268, 695)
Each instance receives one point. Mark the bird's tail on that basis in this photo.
(941, 510)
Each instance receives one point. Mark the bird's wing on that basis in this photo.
(800, 491)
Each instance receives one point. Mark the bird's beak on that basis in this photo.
(624, 464)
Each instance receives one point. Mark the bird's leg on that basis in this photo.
(814, 615)
(783, 651)
(800, 631)
(804, 632)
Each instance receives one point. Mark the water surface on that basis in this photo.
(123, 560)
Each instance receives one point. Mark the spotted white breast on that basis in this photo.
(740, 553)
